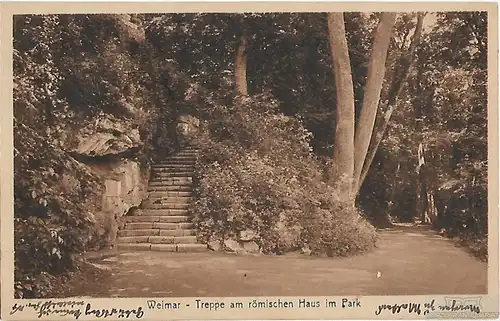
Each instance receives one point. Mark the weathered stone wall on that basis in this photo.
(187, 128)
(125, 188)
(109, 147)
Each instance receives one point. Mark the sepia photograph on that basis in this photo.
(250, 154)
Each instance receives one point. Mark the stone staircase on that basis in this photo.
(163, 222)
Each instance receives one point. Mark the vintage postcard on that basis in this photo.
(249, 161)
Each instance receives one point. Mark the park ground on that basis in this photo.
(410, 260)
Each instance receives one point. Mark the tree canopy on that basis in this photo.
(382, 111)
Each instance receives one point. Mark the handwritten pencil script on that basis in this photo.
(76, 309)
(457, 305)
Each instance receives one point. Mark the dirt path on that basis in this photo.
(411, 261)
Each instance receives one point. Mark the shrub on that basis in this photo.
(71, 71)
(258, 173)
(466, 214)
(52, 221)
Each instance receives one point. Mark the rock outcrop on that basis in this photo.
(187, 129)
(125, 188)
(249, 241)
(132, 30)
(108, 136)
(245, 243)
(108, 147)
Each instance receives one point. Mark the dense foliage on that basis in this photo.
(54, 206)
(258, 173)
(443, 102)
(443, 106)
(71, 71)
(266, 158)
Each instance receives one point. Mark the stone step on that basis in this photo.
(180, 156)
(158, 239)
(175, 219)
(172, 165)
(160, 178)
(169, 182)
(179, 247)
(171, 188)
(190, 149)
(157, 232)
(167, 193)
(169, 171)
(142, 232)
(159, 225)
(161, 247)
(172, 174)
(156, 200)
(162, 219)
(159, 186)
(176, 161)
(188, 153)
(133, 239)
(163, 182)
(154, 196)
(154, 218)
(171, 179)
(133, 246)
(168, 212)
(179, 232)
(173, 170)
(168, 177)
(172, 239)
(167, 206)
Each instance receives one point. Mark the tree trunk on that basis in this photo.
(371, 95)
(420, 205)
(440, 208)
(240, 66)
(391, 197)
(343, 152)
(382, 121)
(431, 208)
